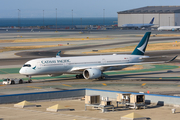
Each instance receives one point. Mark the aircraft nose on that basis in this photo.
(22, 71)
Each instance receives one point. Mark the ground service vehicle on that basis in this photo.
(9, 81)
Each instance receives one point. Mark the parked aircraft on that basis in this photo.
(170, 28)
(139, 26)
(88, 67)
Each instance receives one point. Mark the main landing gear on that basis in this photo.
(79, 76)
(101, 78)
(82, 77)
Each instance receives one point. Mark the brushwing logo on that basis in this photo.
(34, 68)
(143, 46)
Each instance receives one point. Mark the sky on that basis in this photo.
(81, 8)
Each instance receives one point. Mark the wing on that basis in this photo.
(105, 67)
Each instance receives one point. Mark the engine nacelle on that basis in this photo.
(54, 75)
(92, 73)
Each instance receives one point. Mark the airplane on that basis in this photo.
(139, 26)
(87, 67)
(170, 28)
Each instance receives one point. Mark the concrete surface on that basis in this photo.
(154, 112)
(114, 82)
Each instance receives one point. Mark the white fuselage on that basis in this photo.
(137, 25)
(171, 28)
(64, 65)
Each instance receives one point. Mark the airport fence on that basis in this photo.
(149, 98)
(13, 98)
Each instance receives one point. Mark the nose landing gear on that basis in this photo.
(29, 80)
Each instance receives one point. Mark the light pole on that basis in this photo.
(43, 19)
(159, 19)
(143, 16)
(81, 23)
(56, 19)
(72, 18)
(18, 17)
(103, 16)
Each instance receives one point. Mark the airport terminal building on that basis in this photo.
(164, 16)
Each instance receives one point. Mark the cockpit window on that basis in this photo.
(26, 65)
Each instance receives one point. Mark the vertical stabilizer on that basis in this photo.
(141, 47)
(58, 54)
(152, 21)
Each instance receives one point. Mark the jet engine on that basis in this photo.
(54, 75)
(92, 73)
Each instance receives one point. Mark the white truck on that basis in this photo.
(8, 81)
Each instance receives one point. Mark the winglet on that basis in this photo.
(141, 47)
(151, 22)
(172, 59)
(58, 54)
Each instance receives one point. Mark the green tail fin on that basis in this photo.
(141, 47)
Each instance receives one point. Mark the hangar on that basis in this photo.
(164, 16)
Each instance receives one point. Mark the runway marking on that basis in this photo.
(67, 85)
(34, 87)
(104, 84)
(143, 84)
(4, 72)
(160, 78)
(66, 106)
(2, 85)
(178, 85)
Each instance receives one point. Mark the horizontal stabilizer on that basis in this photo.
(172, 59)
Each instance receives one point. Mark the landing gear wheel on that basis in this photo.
(29, 81)
(101, 78)
(79, 76)
(12, 82)
(20, 81)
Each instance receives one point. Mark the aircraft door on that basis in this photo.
(65, 65)
(38, 65)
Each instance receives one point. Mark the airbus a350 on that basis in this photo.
(88, 67)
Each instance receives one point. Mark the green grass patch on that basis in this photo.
(9, 70)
